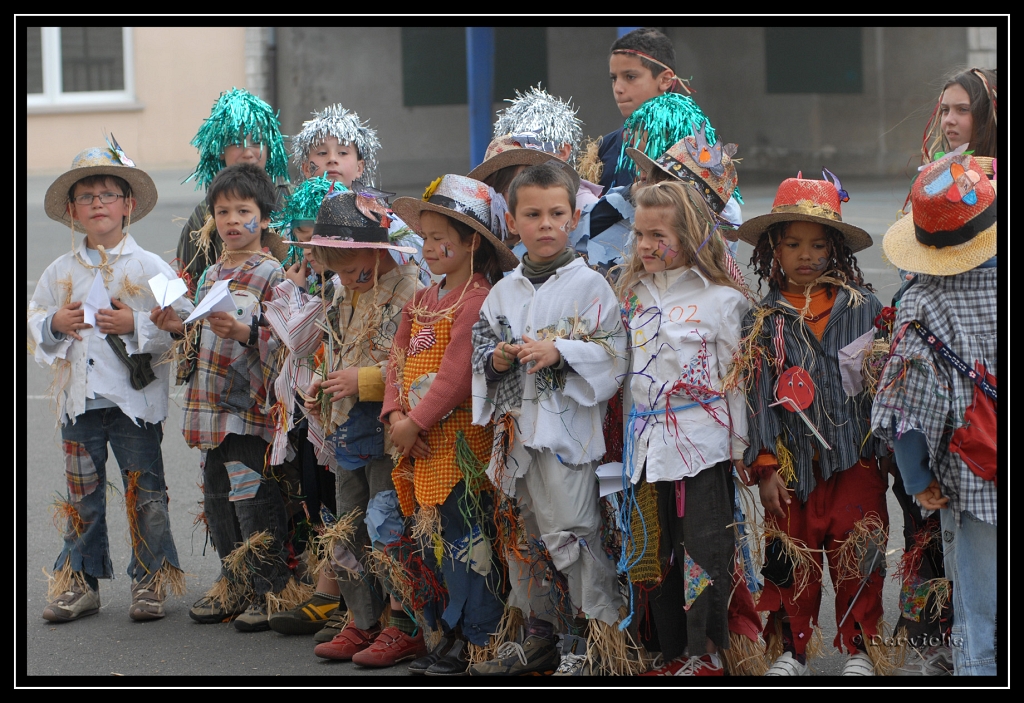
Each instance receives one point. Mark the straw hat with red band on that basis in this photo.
(464, 199)
(807, 200)
(525, 149)
(349, 220)
(952, 224)
(678, 162)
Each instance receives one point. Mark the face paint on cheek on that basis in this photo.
(313, 168)
(364, 276)
(821, 265)
(252, 224)
(666, 253)
(446, 250)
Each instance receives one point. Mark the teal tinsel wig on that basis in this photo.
(304, 202)
(238, 117)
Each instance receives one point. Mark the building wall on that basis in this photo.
(179, 72)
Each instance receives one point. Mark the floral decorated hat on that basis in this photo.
(353, 219)
(808, 200)
(952, 225)
(464, 199)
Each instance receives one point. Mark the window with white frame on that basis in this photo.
(79, 67)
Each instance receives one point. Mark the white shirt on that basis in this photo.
(683, 329)
(90, 368)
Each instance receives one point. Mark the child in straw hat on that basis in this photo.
(937, 395)
(810, 449)
(226, 411)
(110, 388)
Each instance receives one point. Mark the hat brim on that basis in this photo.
(751, 230)
(343, 244)
(143, 190)
(521, 157)
(902, 249)
(409, 210)
(644, 162)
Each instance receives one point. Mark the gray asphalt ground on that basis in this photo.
(109, 644)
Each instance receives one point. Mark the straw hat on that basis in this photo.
(351, 220)
(807, 200)
(709, 169)
(100, 161)
(526, 149)
(464, 199)
(952, 225)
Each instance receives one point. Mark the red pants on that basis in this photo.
(824, 522)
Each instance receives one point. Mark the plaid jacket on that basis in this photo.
(227, 394)
(922, 391)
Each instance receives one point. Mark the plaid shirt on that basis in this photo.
(922, 391)
(228, 391)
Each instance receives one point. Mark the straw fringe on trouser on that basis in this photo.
(556, 498)
(365, 595)
(830, 514)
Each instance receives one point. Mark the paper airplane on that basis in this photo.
(217, 300)
(165, 290)
(96, 300)
(610, 478)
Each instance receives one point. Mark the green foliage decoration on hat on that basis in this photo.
(237, 117)
(304, 202)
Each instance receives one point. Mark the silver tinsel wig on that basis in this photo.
(537, 111)
(344, 125)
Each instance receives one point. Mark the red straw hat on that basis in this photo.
(808, 200)
(952, 225)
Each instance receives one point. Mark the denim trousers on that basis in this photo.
(969, 553)
(137, 450)
(241, 500)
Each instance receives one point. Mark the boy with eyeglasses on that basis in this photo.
(109, 387)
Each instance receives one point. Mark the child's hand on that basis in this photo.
(931, 498)
(119, 320)
(226, 326)
(409, 439)
(69, 318)
(773, 494)
(742, 471)
(296, 273)
(394, 416)
(167, 320)
(543, 353)
(342, 383)
(310, 401)
(503, 356)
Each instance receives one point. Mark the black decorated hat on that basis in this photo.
(352, 219)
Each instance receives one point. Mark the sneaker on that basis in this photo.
(207, 610)
(77, 602)
(788, 665)
(536, 656)
(147, 603)
(445, 645)
(670, 669)
(454, 663)
(347, 643)
(254, 619)
(700, 666)
(305, 619)
(390, 647)
(933, 661)
(859, 665)
(334, 625)
(574, 657)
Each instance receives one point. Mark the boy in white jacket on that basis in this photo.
(549, 351)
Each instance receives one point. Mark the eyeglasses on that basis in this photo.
(105, 198)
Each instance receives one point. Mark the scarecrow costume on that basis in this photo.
(108, 388)
(819, 442)
(238, 118)
(936, 401)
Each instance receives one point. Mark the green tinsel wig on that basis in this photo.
(238, 116)
(304, 202)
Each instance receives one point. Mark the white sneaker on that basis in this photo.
(78, 602)
(934, 661)
(787, 665)
(859, 665)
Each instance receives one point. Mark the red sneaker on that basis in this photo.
(670, 669)
(350, 641)
(391, 646)
(700, 666)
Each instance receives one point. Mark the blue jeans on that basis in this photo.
(969, 554)
(137, 450)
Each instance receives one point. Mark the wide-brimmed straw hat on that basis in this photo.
(952, 224)
(107, 160)
(351, 220)
(526, 149)
(708, 168)
(807, 200)
(464, 199)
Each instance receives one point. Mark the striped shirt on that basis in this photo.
(228, 391)
(842, 420)
(922, 391)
